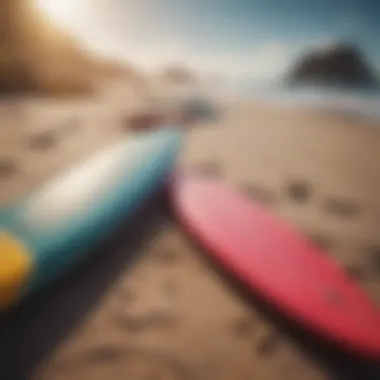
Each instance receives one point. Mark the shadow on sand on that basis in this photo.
(31, 331)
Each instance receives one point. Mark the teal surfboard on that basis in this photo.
(53, 229)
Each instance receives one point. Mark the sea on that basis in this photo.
(363, 103)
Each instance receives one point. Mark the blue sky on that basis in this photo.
(251, 37)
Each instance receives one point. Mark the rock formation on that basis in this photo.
(339, 64)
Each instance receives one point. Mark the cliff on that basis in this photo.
(37, 56)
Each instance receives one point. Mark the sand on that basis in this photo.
(151, 307)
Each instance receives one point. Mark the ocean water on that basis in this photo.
(363, 103)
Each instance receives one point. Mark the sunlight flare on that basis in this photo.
(61, 11)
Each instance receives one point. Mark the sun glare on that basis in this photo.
(61, 11)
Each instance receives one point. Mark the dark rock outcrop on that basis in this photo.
(339, 64)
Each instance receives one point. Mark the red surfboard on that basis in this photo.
(276, 262)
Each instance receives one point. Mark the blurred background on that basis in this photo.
(293, 90)
(249, 47)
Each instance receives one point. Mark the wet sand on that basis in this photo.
(149, 305)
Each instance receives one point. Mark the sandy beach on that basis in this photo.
(168, 314)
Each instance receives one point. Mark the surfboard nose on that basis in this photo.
(15, 269)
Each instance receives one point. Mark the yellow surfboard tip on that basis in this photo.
(15, 269)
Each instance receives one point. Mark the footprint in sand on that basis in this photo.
(115, 361)
(209, 168)
(70, 126)
(166, 256)
(7, 168)
(142, 121)
(374, 256)
(152, 320)
(43, 140)
(320, 240)
(299, 191)
(127, 296)
(355, 271)
(342, 207)
(170, 288)
(243, 327)
(259, 193)
(268, 344)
